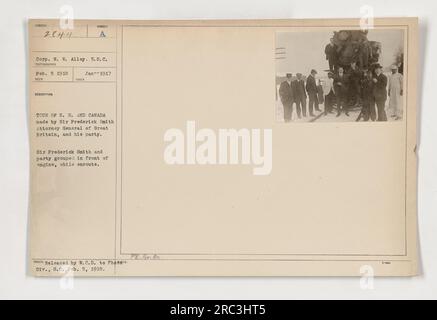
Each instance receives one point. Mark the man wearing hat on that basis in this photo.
(395, 92)
(368, 89)
(286, 95)
(328, 91)
(300, 96)
(355, 77)
(341, 88)
(380, 92)
(331, 54)
(311, 88)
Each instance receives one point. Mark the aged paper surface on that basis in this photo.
(168, 148)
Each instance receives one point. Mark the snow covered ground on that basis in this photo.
(321, 117)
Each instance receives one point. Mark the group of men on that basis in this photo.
(367, 89)
(295, 92)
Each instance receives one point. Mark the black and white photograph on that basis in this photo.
(338, 75)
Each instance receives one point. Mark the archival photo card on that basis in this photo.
(166, 148)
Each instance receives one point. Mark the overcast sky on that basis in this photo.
(306, 50)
